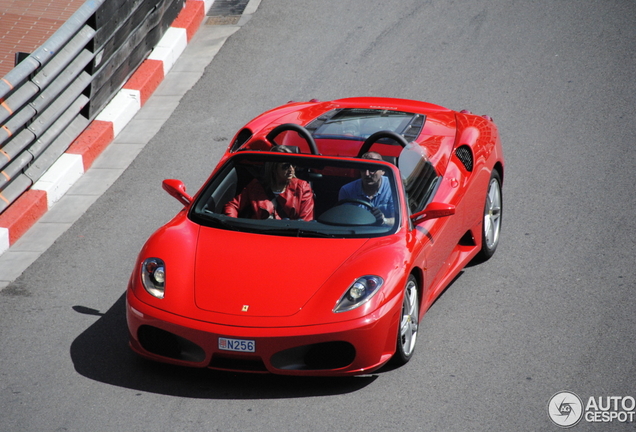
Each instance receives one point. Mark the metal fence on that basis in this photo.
(50, 97)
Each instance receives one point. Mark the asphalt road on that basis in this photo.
(552, 310)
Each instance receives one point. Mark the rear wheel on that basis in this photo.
(491, 227)
(407, 333)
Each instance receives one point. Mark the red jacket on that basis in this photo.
(296, 202)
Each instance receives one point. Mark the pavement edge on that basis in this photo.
(78, 158)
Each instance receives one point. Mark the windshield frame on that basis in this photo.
(408, 124)
(313, 170)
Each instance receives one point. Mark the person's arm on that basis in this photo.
(232, 207)
(306, 211)
(388, 217)
(381, 217)
(237, 205)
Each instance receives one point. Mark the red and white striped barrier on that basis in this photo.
(34, 203)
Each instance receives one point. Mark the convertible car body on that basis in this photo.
(337, 293)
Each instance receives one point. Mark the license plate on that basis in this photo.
(239, 345)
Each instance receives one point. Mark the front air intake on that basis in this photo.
(163, 343)
(319, 356)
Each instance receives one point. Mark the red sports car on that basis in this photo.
(320, 239)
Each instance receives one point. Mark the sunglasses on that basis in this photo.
(286, 166)
(371, 171)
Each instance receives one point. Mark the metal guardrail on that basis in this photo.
(50, 97)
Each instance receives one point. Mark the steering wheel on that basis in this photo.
(364, 203)
(366, 146)
(297, 128)
(377, 214)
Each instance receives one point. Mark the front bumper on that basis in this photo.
(346, 348)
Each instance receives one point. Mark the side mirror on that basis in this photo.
(433, 211)
(177, 189)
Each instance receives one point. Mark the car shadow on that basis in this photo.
(101, 353)
(446, 288)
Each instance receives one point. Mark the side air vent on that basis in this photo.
(413, 129)
(241, 139)
(465, 155)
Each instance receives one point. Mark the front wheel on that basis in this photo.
(409, 320)
(491, 227)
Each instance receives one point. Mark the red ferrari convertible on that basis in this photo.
(320, 239)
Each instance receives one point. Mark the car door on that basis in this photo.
(436, 240)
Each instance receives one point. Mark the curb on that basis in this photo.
(16, 220)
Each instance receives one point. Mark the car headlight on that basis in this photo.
(153, 276)
(359, 293)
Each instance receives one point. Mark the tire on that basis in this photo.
(491, 227)
(409, 321)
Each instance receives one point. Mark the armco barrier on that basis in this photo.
(41, 98)
(54, 105)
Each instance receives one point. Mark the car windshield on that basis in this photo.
(300, 195)
(359, 123)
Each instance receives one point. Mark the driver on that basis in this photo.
(374, 188)
(281, 195)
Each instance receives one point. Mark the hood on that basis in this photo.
(261, 275)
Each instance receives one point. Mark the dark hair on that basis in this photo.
(281, 149)
(269, 167)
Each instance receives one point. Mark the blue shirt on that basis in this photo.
(382, 200)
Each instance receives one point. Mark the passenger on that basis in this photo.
(374, 188)
(281, 195)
